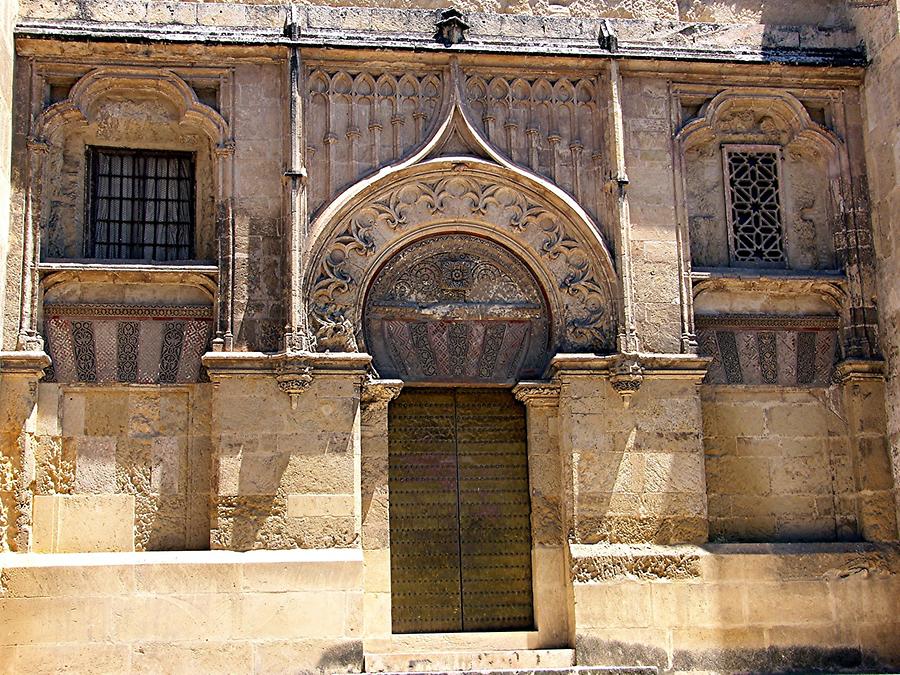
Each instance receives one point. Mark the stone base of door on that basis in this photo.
(459, 660)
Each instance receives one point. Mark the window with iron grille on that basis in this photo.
(141, 204)
(754, 205)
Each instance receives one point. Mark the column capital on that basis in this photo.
(375, 396)
(538, 393)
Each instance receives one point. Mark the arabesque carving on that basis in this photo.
(456, 308)
(479, 199)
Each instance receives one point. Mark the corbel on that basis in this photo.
(294, 375)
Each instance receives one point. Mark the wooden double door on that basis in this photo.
(459, 512)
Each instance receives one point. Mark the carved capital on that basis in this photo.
(375, 397)
(856, 370)
(294, 375)
(299, 341)
(626, 377)
(544, 394)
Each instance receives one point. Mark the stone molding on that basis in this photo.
(98, 310)
(235, 364)
(27, 363)
(321, 26)
(857, 370)
(543, 394)
(768, 321)
(99, 83)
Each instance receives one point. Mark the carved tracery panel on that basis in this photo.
(552, 126)
(457, 308)
(358, 121)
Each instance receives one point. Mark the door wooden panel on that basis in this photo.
(460, 512)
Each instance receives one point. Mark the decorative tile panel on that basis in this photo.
(121, 343)
(769, 350)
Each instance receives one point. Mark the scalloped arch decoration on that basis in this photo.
(774, 115)
(84, 100)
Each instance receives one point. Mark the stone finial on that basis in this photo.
(626, 378)
(451, 27)
(607, 37)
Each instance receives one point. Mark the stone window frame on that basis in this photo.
(755, 148)
(91, 153)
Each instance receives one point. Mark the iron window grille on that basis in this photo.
(140, 204)
(754, 210)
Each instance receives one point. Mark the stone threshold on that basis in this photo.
(298, 556)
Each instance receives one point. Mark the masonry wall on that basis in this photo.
(727, 608)
(636, 474)
(182, 613)
(880, 28)
(778, 465)
(121, 468)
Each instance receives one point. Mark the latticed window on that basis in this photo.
(754, 205)
(141, 204)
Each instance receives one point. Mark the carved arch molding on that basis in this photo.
(466, 246)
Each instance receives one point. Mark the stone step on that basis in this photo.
(461, 660)
(573, 670)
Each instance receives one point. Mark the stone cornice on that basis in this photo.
(856, 370)
(541, 393)
(653, 366)
(333, 27)
(29, 363)
(226, 364)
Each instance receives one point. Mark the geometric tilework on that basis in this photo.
(121, 343)
(786, 355)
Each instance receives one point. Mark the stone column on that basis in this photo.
(637, 471)
(19, 376)
(550, 499)
(286, 449)
(873, 496)
(376, 395)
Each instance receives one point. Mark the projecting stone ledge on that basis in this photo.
(575, 670)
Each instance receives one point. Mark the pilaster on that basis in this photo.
(376, 395)
(286, 449)
(20, 373)
(874, 499)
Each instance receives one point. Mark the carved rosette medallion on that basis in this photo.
(478, 200)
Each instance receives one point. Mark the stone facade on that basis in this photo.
(665, 227)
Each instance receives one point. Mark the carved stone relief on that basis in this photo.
(774, 120)
(456, 308)
(478, 199)
(774, 350)
(358, 121)
(549, 125)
